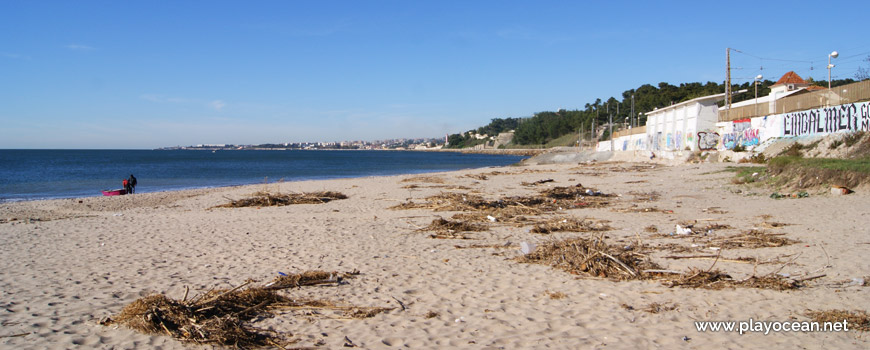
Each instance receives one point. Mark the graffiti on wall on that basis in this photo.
(708, 140)
(690, 138)
(669, 143)
(678, 140)
(848, 117)
(742, 134)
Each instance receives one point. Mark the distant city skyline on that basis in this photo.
(146, 75)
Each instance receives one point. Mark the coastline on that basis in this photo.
(68, 263)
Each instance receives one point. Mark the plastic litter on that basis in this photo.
(527, 248)
(682, 230)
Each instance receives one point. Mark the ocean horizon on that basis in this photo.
(35, 174)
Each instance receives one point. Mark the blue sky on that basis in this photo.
(137, 74)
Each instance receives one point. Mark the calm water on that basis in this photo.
(40, 174)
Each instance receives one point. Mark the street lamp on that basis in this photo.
(832, 55)
(757, 79)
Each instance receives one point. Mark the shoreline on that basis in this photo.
(68, 263)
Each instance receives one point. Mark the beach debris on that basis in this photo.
(268, 199)
(490, 218)
(716, 279)
(446, 229)
(856, 319)
(555, 295)
(527, 248)
(507, 245)
(777, 195)
(348, 343)
(652, 308)
(634, 208)
(572, 192)
(426, 179)
(570, 224)
(753, 239)
(481, 177)
(592, 257)
(535, 183)
(714, 210)
(682, 230)
(840, 190)
(224, 317)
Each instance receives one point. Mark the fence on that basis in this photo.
(843, 94)
(633, 131)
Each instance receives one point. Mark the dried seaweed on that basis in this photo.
(592, 257)
(645, 196)
(856, 319)
(636, 209)
(268, 199)
(570, 225)
(442, 225)
(426, 179)
(224, 316)
(753, 239)
(717, 279)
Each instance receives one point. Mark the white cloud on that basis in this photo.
(218, 104)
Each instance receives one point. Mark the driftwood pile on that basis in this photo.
(224, 316)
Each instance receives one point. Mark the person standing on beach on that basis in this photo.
(132, 183)
(126, 184)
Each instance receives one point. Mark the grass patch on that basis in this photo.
(568, 140)
(861, 165)
(749, 174)
(811, 172)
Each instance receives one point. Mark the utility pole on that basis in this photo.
(610, 118)
(631, 117)
(611, 131)
(728, 83)
(593, 126)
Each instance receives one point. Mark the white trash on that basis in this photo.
(527, 248)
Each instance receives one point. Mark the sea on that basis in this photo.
(51, 174)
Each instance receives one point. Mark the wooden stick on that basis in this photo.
(628, 269)
(400, 303)
(690, 256)
(663, 271)
(718, 252)
(810, 278)
(14, 335)
(224, 293)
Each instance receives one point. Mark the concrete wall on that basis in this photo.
(821, 121)
(677, 129)
(674, 129)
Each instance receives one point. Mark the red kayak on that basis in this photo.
(117, 192)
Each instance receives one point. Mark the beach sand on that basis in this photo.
(66, 264)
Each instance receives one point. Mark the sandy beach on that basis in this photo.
(68, 264)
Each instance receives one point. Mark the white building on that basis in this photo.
(676, 127)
